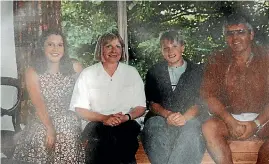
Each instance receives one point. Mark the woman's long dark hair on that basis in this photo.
(39, 60)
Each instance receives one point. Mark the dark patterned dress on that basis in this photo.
(31, 147)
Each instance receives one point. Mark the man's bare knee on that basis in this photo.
(210, 126)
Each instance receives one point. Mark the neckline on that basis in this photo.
(103, 68)
(56, 73)
(250, 58)
(178, 67)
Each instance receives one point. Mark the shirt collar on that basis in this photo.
(183, 66)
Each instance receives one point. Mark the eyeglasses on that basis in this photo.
(240, 32)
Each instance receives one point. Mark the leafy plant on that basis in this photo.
(199, 21)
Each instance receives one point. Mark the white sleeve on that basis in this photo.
(139, 98)
(80, 97)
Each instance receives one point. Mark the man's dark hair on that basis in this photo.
(235, 19)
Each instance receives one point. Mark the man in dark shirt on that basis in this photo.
(172, 132)
(235, 88)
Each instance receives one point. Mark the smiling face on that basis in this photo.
(172, 52)
(54, 48)
(239, 38)
(112, 51)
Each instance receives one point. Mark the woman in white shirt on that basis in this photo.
(110, 96)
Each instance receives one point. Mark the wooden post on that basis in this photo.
(122, 25)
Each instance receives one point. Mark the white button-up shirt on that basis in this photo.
(95, 90)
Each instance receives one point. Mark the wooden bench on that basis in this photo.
(243, 152)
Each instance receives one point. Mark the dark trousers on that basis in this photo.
(113, 145)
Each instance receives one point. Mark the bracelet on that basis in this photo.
(129, 116)
(258, 125)
(257, 122)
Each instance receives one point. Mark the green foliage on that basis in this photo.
(149, 54)
(199, 21)
(83, 22)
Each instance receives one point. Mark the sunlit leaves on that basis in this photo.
(200, 21)
(83, 22)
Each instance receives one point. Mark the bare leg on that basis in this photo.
(263, 155)
(216, 133)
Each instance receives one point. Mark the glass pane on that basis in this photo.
(8, 96)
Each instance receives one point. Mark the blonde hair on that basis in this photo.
(172, 35)
(103, 40)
